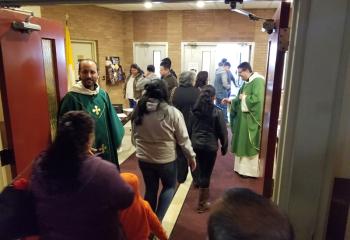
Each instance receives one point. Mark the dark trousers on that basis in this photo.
(182, 167)
(152, 173)
(205, 161)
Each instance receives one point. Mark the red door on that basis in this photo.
(277, 46)
(32, 80)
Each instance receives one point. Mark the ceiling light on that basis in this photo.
(148, 5)
(200, 4)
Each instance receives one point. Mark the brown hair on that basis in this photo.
(243, 214)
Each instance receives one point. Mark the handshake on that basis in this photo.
(225, 101)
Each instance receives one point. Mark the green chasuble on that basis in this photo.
(109, 131)
(246, 124)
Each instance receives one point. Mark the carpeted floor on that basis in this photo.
(191, 225)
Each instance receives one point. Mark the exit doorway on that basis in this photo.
(205, 56)
(147, 53)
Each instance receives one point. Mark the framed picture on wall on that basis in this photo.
(114, 71)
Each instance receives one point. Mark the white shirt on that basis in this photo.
(130, 88)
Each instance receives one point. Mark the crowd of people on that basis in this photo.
(176, 125)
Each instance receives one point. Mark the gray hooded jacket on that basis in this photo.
(221, 83)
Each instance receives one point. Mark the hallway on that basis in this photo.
(189, 224)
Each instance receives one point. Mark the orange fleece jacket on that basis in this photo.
(139, 220)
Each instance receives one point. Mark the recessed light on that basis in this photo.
(148, 5)
(200, 4)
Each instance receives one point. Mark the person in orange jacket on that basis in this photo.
(139, 220)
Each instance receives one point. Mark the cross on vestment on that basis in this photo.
(103, 148)
(96, 110)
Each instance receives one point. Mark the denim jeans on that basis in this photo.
(223, 107)
(167, 174)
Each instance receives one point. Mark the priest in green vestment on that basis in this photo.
(86, 95)
(246, 119)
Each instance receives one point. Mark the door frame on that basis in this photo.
(274, 78)
(151, 44)
(93, 44)
(51, 30)
(183, 44)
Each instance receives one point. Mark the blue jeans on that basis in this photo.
(223, 107)
(152, 173)
(132, 103)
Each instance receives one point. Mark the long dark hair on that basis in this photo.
(61, 163)
(135, 66)
(156, 89)
(202, 79)
(204, 105)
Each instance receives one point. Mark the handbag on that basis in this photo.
(182, 165)
(181, 161)
(17, 212)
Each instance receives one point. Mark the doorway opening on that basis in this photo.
(83, 49)
(146, 53)
(205, 56)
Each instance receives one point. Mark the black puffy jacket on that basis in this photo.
(206, 130)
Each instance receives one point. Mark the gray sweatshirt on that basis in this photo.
(140, 85)
(160, 131)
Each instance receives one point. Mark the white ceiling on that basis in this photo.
(191, 5)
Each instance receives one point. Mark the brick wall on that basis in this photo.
(94, 23)
(175, 36)
(116, 31)
(216, 26)
(175, 27)
(150, 26)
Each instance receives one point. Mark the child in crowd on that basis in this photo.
(139, 221)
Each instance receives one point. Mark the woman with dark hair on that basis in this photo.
(201, 80)
(206, 127)
(77, 195)
(157, 128)
(131, 90)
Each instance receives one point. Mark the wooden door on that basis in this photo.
(277, 46)
(32, 80)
